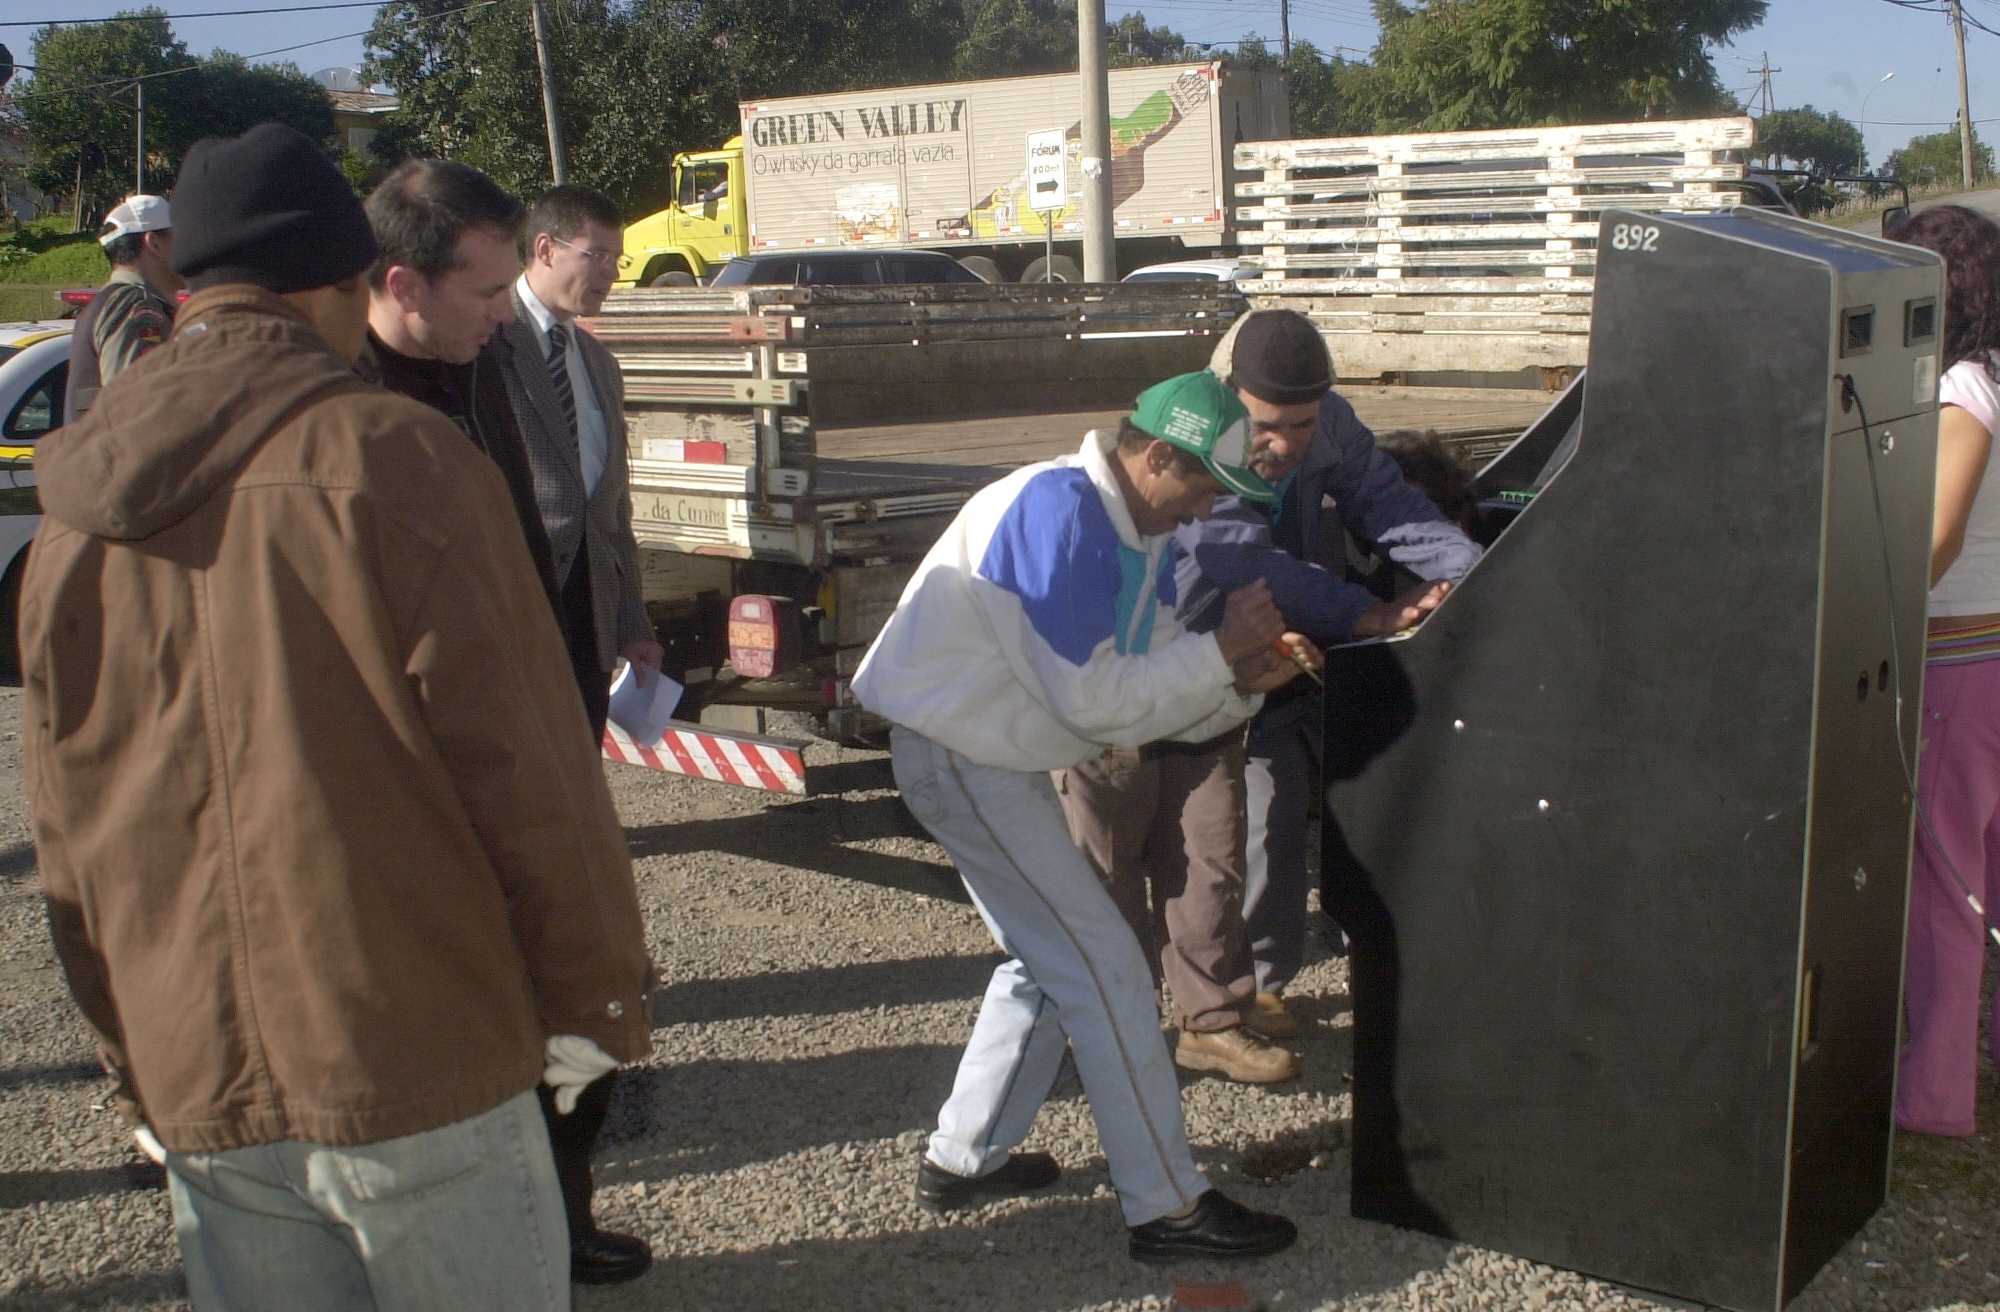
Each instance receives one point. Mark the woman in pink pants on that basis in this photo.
(1959, 777)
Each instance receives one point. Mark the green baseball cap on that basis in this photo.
(1198, 412)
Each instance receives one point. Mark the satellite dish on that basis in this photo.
(340, 77)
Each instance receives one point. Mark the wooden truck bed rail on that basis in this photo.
(728, 393)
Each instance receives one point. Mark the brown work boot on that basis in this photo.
(1235, 1054)
(1269, 1017)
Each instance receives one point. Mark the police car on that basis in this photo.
(34, 369)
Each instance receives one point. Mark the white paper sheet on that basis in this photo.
(642, 702)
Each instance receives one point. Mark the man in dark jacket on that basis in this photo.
(1307, 442)
(439, 290)
(331, 873)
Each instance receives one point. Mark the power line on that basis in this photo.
(35, 90)
(1940, 7)
(208, 13)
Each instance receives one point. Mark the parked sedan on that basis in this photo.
(842, 268)
(1216, 270)
(34, 368)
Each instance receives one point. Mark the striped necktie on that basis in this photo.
(559, 373)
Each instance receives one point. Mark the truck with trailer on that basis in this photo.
(945, 167)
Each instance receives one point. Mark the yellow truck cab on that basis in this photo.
(703, 226)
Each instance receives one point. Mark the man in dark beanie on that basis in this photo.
(1228, 922)
(1308, 443)
(328, 866)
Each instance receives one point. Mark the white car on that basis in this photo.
(34, 372)
(1225, 270)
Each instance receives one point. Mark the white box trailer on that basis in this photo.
(944, 166)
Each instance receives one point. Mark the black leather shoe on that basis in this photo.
(938, 1190)
(604, 1258)
(1217, 1228)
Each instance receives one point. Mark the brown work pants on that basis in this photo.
(1170, 819)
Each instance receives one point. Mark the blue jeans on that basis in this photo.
(465, 1216)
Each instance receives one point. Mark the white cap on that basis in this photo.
(135, 214)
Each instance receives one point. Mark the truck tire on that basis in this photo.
(982, 268)
(673, 278)
(1060, 269)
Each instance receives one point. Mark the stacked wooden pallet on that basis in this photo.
(1464, 250)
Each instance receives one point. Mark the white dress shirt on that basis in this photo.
(593, 436)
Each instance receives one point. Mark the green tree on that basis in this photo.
(443, 67)
(79, 105)
(16, 150)
(763, 48)
(1456, 64)
(1934, 160)
(1253, 52)
(230, 96)
(1331, 97)
(1807, 138)
(1005, 37)
(1130, 41)
(469, 88)
(637, 80)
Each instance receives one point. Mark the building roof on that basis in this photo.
(361, 102)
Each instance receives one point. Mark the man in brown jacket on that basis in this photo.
(331, 872)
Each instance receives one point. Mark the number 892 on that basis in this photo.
(1635, 237)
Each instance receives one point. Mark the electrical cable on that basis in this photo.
(211, 13)
(1849, 392)
(35, 91)
(1913, 122)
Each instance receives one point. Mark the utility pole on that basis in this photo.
(1099, 264)
(1964, 99)
(557, 168)
(139, 139)
(1285, 30)
(1765, 82)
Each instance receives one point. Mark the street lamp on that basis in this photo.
(1864, 106)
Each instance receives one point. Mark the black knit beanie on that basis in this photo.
(267, 208)
(1279, 357)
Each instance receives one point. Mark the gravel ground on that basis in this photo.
(823, 970)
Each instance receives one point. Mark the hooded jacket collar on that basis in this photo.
(170, 432)
(1099, 450)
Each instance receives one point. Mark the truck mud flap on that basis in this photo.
(773, 765)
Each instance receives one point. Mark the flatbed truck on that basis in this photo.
(796, 451)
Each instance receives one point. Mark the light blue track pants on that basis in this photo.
(1075, 977)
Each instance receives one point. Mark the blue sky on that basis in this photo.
(1828, 53)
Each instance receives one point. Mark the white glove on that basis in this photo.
(574, 1061)
(143, 1136)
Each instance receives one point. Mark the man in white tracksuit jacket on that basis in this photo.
(1039, 630)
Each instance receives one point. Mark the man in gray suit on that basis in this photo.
(569, 400)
